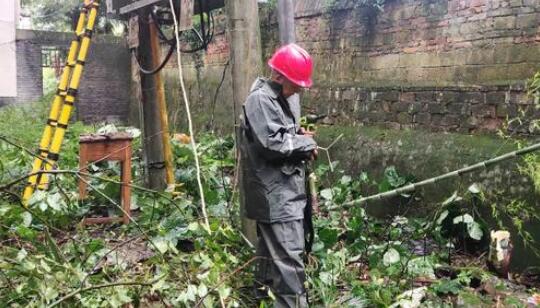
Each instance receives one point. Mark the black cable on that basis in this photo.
(161, 66)
(211, 124)
(209, 35)
(206, 38)
(201, 14)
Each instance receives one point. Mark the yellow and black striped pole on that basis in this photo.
(64, 100)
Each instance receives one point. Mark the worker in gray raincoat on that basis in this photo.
(274, 150)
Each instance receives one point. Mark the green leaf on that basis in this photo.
(224, 291)
(345, 180)
(393, 178)
(390, 257)
(326, 278)
(421, 266)
(328, 236)
(442, 217)
(161, 244)
(21, 254)
(50, 293)
(202, 290)
(451, 199)
(45, 266)
(191, 292)
(38, 197)
(475, 231)
(465, 218)
(27, 219)
(474, 188)
(327, 194)
(55, 201)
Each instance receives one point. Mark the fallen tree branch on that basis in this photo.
(412, 187)
(6, 187)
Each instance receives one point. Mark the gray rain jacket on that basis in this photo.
(273, 154)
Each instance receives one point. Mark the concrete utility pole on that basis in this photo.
(162, 107)
(153, 146)
(287, 30)
(246, 66)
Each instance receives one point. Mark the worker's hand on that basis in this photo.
(302, 131)
(314, 155)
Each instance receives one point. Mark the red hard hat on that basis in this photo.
(293, 62)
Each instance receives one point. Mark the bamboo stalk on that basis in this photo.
(412, 187)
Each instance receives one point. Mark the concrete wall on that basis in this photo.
(8, 82)
(105, 86)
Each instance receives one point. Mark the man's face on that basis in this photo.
(290, 88)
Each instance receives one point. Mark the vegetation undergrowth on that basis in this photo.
(164, 257)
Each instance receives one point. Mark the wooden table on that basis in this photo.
(107, 147)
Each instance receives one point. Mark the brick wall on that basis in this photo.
(105, 86)
(441, 65)
(454, 65)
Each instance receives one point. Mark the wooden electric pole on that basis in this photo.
(287, 30)
(152, 145)
(246, 66)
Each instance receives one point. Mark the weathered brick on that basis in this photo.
(415, 107)
(506, 110)
(472, 121)
(483, 111)
(459, 109)
(490, 124)
(450, 120)
(404, 118)
(422, 118)
(388, 96)
(471, 97)
(495, 97)
(528, 21)
(436, 119)
(407, 97)
(425, 96)
(504, 22)
(392, 125)
(348, 94)
(448, 96)
(436, 108)
(375, 117)
(400, 106)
